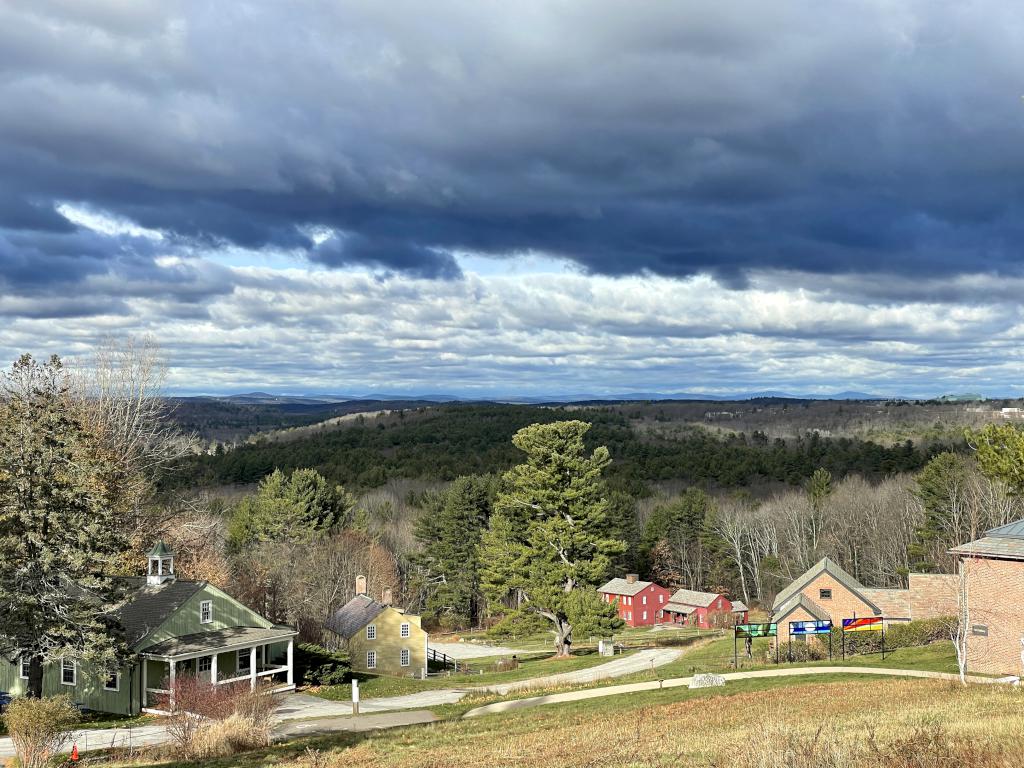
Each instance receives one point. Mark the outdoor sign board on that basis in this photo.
(757, 630)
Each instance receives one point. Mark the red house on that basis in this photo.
(704, 609)
(641, 603)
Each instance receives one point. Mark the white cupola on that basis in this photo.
(161, 565)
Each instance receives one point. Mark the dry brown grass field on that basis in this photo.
(883, 724)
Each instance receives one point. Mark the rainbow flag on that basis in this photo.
(869, 624)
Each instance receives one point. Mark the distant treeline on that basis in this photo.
(444, 442)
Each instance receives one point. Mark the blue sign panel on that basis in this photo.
(810, 627)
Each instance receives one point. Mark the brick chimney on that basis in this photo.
(632, 578)
(386, 599)
(360, 585)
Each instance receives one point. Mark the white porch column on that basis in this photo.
(145, 682)
(213, 669)
(170, 679)
(252, 667)
(291, 661)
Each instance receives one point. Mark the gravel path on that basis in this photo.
(641, 661)
(462, 651)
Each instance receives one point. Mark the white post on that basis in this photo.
(170, 679)
(145, 683)
(213, 669)
(291, 661)
(355, 696)
(252, 667)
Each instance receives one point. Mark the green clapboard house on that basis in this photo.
(174, 627)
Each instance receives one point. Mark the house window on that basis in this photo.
(371, 659)
(645, 599)
(204, 664)
(405, 630)
(371, 631)
(405, 657)
(825, 594)
(645, 616)
(243, 660)
(661, 598)
(981, 630)
(24, 668)
(112, 683)
(68, 672)
(206, 612)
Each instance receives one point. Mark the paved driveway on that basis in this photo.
(462, 651)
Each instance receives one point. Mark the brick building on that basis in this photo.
(992, 581)
(824, 592)
(640, 603)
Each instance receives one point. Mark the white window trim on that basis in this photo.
(371, 655)
(371, 631)
(74, 674)
(406, 630)
(245, 654)
(405, 657)
(199, 664)
(202, 606)
(24, 665)
(117, 683)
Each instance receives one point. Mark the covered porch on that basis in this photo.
(225, 656)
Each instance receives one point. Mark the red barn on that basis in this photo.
(703, 609)
(641, 603)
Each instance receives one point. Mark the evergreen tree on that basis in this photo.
(288, 508)
(1000, 453)
(547, 546)
(940, 487)
(449, 533)
(62, 526)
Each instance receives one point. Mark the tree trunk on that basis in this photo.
(35, 678)
(563, 638)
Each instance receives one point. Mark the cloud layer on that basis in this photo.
(749, 195)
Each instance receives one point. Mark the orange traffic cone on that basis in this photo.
(74, 754)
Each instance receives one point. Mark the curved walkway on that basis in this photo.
(654, 685)
(641, 661)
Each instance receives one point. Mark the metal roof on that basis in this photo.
(218, 641)
(160, 550)
(356, 614)
(623, 587)
(1014, 530)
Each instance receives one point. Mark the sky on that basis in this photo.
(532, 198)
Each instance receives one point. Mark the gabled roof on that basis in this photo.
(152, 605)
(738, 606)
(354, 615)
(1014, 530)
(623, 587)
(825, 565)
(693, 598)
(800, 600)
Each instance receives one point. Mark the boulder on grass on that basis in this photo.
(706, 681)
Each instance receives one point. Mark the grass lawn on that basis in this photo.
(375, 687)
(750, 724)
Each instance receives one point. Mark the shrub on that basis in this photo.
(315, 665)
(208, 719)
(915, 633)
(39, 727)
(518, 624)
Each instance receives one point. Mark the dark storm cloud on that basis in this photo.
(669, 138)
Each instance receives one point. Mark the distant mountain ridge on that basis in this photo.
(268, 398)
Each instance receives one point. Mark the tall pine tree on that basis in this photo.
(547, 546)
(62, 526)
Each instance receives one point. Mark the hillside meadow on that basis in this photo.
(752, 724)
